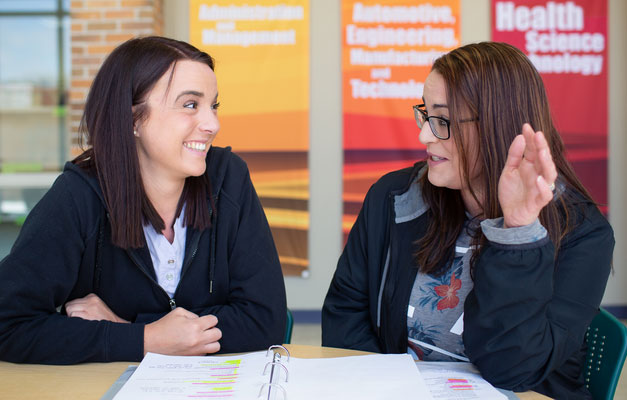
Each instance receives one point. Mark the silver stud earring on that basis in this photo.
(135, 133)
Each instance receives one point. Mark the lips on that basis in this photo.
(435, 158)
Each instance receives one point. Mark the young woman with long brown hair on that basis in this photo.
(491, 250)
(152, 239)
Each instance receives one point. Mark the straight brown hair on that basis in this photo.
(124, 81)
(498, 85)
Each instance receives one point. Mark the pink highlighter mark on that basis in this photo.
(213, 383)
(221, 391)
(457, 384)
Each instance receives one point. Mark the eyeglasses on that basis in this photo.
(440, 126)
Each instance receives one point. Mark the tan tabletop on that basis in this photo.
(91, 381)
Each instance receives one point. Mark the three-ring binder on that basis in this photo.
(276, 368)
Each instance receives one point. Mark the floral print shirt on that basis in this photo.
(436, 305)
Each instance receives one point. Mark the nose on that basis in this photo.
(209, 123)
(426, 135)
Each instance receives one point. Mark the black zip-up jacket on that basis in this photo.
(524, 320)
(64, 252)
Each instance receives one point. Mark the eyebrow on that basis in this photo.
(435, 105)
(192, 92)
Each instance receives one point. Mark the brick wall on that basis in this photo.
(97, 27)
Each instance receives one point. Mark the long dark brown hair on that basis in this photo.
(115, 104)
(498, 85)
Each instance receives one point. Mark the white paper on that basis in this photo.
(173, 377)
(368, 377)
(456, 380)
(378, 376)
(458, 328)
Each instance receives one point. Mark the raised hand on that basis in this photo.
(91, 307)
(525, 183)
(181, 332)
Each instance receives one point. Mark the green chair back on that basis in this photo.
(607, 348)
(288, 328)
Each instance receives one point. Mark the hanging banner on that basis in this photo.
(261, 49)
(388, 48)
(567, 43)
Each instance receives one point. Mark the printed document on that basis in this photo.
(456, 380)
(367, 377)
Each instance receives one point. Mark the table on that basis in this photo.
(92, 380)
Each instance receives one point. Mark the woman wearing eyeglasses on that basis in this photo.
(491, 250)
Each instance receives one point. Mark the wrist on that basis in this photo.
(507, 224)
(148, 345)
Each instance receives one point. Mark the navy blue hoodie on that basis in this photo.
(64, 252)
(524, 320)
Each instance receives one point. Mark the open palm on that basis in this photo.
(525, 183)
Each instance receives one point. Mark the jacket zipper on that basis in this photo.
(184, 270)
(171, 301)
(191, 258)
(386, 265)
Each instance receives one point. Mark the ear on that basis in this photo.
(133, 110)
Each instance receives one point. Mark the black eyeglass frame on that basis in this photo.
(419, 110)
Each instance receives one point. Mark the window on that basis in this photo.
(34, 77)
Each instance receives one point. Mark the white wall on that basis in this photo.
(615, 293)
(325, 160)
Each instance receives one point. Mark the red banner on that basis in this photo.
(567, 42)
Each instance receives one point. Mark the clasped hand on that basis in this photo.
(525, 183)
(91, 307)
(180, 332)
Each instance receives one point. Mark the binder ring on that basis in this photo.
(273, 363)
(278, 346)
(270, 385)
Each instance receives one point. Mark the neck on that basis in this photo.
(164, 197)
(472, 206)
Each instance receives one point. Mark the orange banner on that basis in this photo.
(388, 48)
(261, 49)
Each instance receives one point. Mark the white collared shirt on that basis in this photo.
(167, 258)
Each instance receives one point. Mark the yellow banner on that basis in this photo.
(261, 48)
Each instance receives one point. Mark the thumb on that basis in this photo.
(515, 153)
(209, 321)
(180, 311)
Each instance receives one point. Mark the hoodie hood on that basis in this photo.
(408, 202)
(217, 165)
